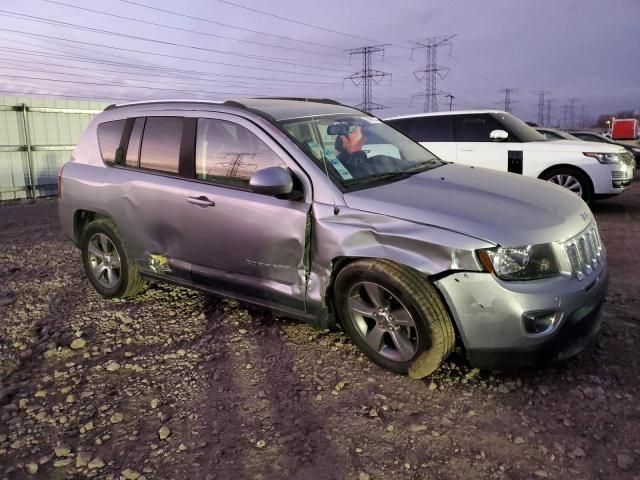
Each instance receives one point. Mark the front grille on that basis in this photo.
(616, 175)
(585, 252)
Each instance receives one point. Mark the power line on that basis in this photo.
(283, 37)
(166, 55)
(208, 34)
(367, 76)
(299, 22)
(139, 66)
(431, 70)
(33, 18)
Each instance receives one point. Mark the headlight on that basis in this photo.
(531, 262)
(605, 157)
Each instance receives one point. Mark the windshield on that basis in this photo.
(358, 150)
(520, 129)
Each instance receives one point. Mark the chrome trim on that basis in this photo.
(585, 252)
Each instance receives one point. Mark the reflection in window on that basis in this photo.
(161, 144)
(109, 134)
(230, 154)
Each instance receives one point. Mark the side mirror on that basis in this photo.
(271, 181)
(498, 136)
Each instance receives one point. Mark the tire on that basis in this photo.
(572, 179)
(394, 316)
(107, 262)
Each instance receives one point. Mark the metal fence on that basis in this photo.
(36, 139)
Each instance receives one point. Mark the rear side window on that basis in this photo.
(229, 154)
(475, 128)
(109, 136)
(404, 125)
(161, 144)
(432, 129)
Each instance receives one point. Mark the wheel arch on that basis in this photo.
(567, 166)
(82, 218)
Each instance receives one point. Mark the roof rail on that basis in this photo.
(153, 102)
(300, 99)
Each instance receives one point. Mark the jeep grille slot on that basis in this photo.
(585, 252)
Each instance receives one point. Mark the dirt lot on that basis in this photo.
(175, 384)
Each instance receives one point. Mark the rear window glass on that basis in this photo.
(161, 144)
(109, 135)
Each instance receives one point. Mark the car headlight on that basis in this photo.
(605, 157)
(531, 262)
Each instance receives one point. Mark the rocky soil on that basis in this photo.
(176, 385)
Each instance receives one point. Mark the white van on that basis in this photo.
(501, 141)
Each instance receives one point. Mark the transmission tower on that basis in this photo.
(541, 95)
(367, 76)
(549, 102)
(572, 112)
(507, 99)
(236, 163)
(432, 70)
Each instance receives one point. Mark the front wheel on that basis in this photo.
(107, 263)
(394, 316)
(573, 180)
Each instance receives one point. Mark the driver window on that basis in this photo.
(475, 128)
(229, 154)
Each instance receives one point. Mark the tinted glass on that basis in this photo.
(475, 128)
(590, 138)
(161, 144)
(402, 124)
(228, 153)
(109, 135)
(432, 129)
(517, 129)
(133, 150)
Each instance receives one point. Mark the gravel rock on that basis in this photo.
(32, 468)
(164, 433)
(62, 462)
(95, 463)
(62, 451)
(83, 459)
(261, 444)
(112, 366)
(116, 417)
(130, 474)
(78, 344)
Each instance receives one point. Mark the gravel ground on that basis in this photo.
(174, 384)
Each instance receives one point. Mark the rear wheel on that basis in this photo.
(107, 263)
(394, 316)
(571, 179)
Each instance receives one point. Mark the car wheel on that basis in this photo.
(107, 263)
(394, 316)
(573, 180)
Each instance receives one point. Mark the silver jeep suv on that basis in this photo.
(324, 213)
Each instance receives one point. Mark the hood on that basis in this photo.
(502, 208)
(573, 146)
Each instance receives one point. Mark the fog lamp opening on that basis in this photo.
(536, 323)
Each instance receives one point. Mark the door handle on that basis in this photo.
(201, 201)
(467, 149)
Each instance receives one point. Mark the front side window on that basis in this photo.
(229, 154)
(109, 136)
(475, 128)
(161, 144)
(358, 150)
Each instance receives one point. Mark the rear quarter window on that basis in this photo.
(109, 135)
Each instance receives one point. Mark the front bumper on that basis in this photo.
(489, 315)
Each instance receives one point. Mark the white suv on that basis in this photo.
(499, 140)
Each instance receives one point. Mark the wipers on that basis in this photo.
(377, 177)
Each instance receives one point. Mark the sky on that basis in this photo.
(584, 53)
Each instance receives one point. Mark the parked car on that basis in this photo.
(327, 214)
(595, 137)
(555, 134)
(499, 140)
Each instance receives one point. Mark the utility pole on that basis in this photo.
(430, 73)
(367, 76)
(450, 97)
(565, 115)
(541, 95)
(507, 99)
(236, 163)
